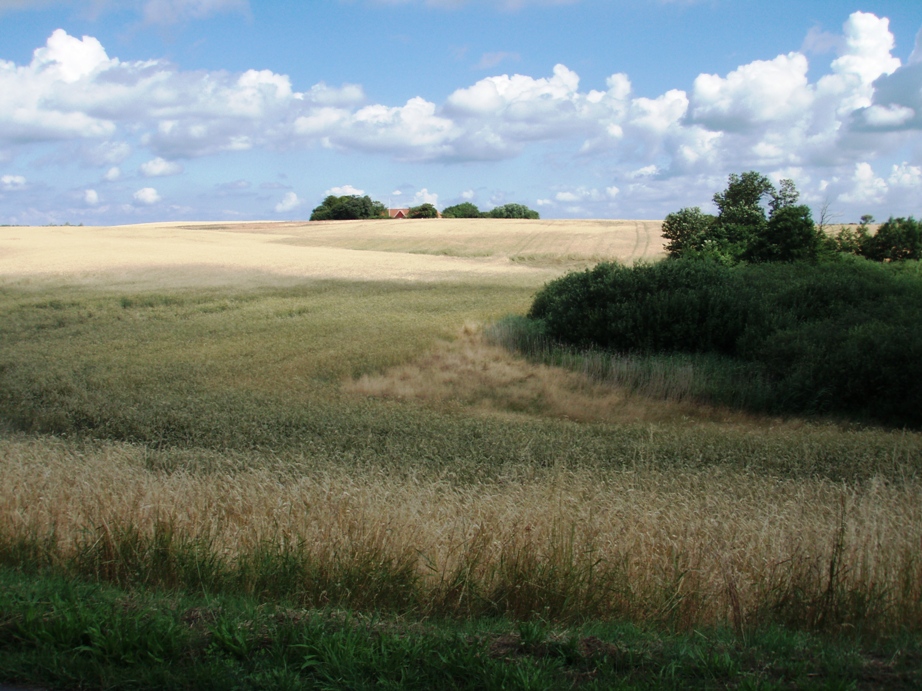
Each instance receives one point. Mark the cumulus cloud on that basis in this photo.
(769, 114)
(866, 187)
(113, 174)
(147, 196)
(160, 167)
(289, 202)
(424, 196)
(91, 197)
(344, 191)
(12, 183)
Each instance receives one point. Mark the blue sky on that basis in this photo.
(146, 110)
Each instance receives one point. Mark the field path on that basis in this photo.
(198, 254)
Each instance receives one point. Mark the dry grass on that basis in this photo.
(468, 372)
(688, 548)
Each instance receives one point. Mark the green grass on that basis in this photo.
(66, 634)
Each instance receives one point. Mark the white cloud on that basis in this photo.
(761, 92)
(289, 202)
(12, 183)
(345, 191)
(866, 187)
(91, 197)
(906, 175)
(468, 195)
(769, 115)
(424, 196)
(147, 196)
(160, 167)
(113, 174)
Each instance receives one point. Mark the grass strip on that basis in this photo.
(64, 633)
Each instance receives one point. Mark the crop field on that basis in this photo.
(310, 416)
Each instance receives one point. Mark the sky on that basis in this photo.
(132, 111)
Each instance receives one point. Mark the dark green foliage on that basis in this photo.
(513, 211)
(842, 337)
(896, 240)
(462, 210)
(742, 231)
(349, 207)
(687, 231)
(424, 211)
(789, 236)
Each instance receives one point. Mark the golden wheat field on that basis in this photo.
(175, 255)
(253, 396)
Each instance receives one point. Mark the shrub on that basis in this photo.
(462, 210)
(896, 240)
(513, 211)
(843, 337)
(349, 207)
(424, 211)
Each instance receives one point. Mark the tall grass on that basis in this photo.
(681, 548)
(678, 377)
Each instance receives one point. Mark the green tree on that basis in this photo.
(513, 211)
(896, 240)
(789, 235)
(849, 240)
(349, 207)
(687, 231)
(462, 210)
(424, 211)
(742, 230)
(741, 217)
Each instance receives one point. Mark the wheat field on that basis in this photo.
(172, 255)
(311, 412)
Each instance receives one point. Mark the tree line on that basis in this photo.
(355, 207)
(758, 222)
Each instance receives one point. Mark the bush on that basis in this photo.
(462, 210)
(842, 337)
(896, 240)
(424, 211)
(513, 211)
(350, 207)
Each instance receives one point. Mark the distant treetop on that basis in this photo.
(349, 207)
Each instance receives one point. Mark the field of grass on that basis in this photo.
(269, 467)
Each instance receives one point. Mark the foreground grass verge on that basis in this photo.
(66, 634)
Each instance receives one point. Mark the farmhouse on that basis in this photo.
(399, 213)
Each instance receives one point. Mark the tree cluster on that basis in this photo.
(469, 210)
(756, 222)
(423, 211)
(348, 208)
(896, 240)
